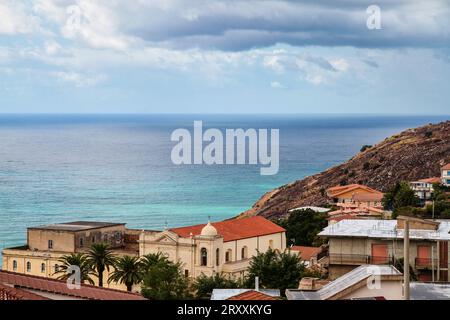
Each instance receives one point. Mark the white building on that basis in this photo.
(445, 175)
(221, 247)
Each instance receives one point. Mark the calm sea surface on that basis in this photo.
(56, 168)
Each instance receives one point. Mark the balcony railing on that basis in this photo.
(359, 259)
(428, 263)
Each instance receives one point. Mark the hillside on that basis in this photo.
(411, 155)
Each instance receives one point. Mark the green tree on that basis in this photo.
(127, 270)
(204, 285)
(399, 265)
(275, 270)
(79, 260)
(151, 259)
(302, 227)
(400, 195)
(101, 258)
(164, 281)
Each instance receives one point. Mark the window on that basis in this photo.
(244, 253)
(81, 242)
(228, 255)
(42, 267)
(50, 244)
(14, 265)
(217, 257)
(28, 266)
(186, 273)
(93, 239)
(56, 268)
(204, 257)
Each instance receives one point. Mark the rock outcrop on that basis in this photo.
(413, 154)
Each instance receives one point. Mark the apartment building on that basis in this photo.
(358, 242)
(445, 175)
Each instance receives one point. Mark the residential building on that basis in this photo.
(445, 175)
(245, 294)
(220, 247)
(380, 282)
(423, 188)
(47, 244)
(356, 211)
(357, 242)
(16, 286)
(310, 255)
(355, 194)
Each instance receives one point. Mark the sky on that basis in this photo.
(225, 56)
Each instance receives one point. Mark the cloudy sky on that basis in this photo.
(221, 56)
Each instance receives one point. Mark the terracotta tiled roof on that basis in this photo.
(431, 180)
(344, 217)
(446, 167)
(59, 287)
(337, 190)
(11, 293)
(252, 295)
(306, 253)
(235, 229)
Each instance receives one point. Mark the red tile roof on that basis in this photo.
(11, 293)
(252, 295)
(235, 229)
(431, 180)
(337, 190)
(306, 253)
(59, 287)
(446, 167)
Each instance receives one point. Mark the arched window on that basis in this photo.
(228, 255)
(244, 253)
(81, 242)
(14, 265)
(204, 257)
(42, 267)
(217, 257)
(28, 266)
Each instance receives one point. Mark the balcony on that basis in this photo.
(427, 263)
(358, 259)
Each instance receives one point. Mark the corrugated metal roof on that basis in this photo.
(340, 284)
(383, 229)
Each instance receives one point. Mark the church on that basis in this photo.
(221, 247)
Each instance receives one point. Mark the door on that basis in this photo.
(423, 256)
(380, 254)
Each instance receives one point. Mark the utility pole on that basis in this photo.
(406, 260)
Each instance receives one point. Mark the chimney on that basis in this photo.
(256, 283)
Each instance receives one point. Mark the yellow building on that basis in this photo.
(47, 244)
(225, 246)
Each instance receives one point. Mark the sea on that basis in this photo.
(118, 168)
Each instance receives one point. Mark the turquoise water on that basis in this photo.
(56, 168)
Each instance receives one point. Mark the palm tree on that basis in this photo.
(101, 257)
(79, 260)
(150, 260)
(126, 270)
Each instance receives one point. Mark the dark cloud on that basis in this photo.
(240, 25)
